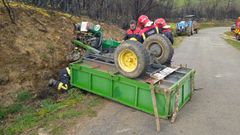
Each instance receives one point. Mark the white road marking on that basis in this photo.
(123, 130)
(219, 76)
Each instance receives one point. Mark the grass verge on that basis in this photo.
(26, 115)
(215, 23)
(177, 41)
(228, 36)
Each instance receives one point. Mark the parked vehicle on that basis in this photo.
(187, 26)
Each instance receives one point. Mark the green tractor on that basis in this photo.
(131, 58)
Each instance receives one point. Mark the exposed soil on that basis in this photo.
(33, 50)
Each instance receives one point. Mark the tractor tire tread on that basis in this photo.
(164, 42)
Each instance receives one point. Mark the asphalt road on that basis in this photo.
(214, 108)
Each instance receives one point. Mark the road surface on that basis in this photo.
(214, 108)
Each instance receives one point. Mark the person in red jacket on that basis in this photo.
(132, 32)
(147, 28)
(238, 22)
(164, 28)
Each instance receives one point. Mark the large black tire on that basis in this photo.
(169, 60)
(196, 31)
(169, 35)
(142, 60)
(158, 47)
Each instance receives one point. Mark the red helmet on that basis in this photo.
(143, 20)
(160, 22)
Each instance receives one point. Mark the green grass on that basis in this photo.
(235, 44)
(229, 33)
(17, 106)
(13, 108)
(177, 41)
(215, 23)
(23, 95)
(25, 116)
(232, 41)
(22, 123)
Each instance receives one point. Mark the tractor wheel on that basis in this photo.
(169, 60)
(158, 47)
(131, 59)
(189, 31)
(196, 31)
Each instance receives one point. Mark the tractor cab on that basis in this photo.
(131, 58)
(89, 34)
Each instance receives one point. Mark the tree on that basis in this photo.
(10, 11)
(121, 11)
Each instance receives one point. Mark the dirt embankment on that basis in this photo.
(33, 50)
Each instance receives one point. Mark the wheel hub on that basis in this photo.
(155, 50)
(127, 60)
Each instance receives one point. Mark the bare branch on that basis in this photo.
(10, 11)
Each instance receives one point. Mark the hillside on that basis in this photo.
(34, 50)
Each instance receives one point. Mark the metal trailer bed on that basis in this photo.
(172, 92)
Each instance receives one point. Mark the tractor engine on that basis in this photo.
(89, 41)
(88, 34)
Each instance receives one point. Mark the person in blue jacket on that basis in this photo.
(64, 80)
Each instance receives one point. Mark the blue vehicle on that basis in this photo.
(187, 26)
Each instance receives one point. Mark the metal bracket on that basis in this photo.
(155, 106)
(99, 59)
(160, 75)
(176, 108)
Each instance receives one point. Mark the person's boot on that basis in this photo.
(52, 83)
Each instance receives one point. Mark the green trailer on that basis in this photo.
(172, 92)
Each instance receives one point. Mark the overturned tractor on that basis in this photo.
(131, 58)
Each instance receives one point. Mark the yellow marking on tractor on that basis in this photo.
(133, 39)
